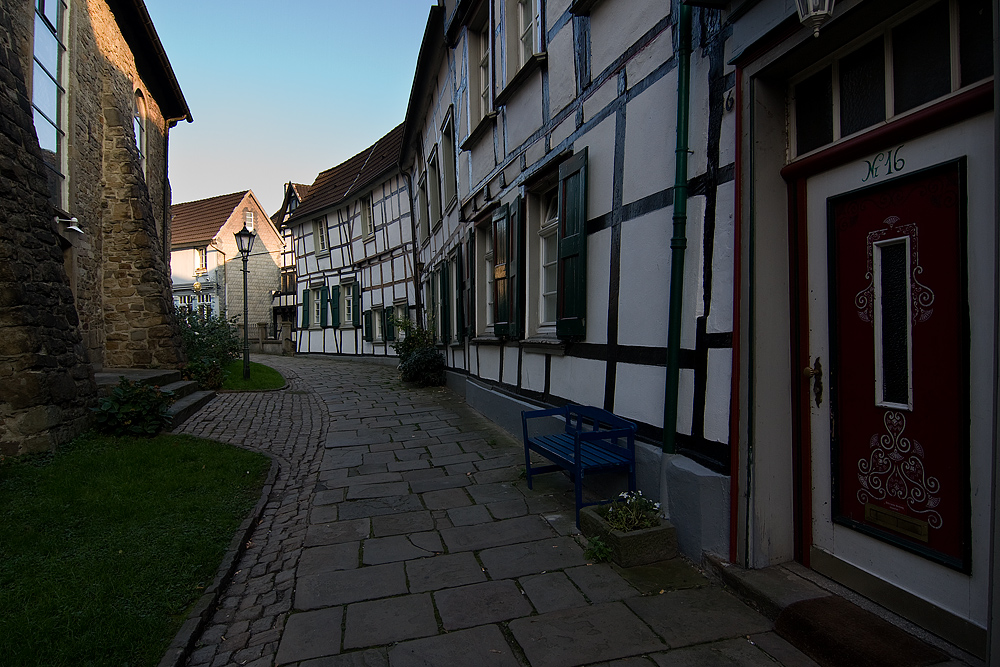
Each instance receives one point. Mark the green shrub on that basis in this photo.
(631, 511)
(424, 367)
(133, 408)
(411, 337)
(419, 360)
(211, 342)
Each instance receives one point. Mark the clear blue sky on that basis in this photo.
(281, 90)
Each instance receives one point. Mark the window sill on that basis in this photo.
(478, 131)
(323, 253)
(519, 78)
(547, 344)
(486, 339)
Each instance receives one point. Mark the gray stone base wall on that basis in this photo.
(46, 385)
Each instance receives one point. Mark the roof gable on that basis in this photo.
(349, 178)
(199, 221)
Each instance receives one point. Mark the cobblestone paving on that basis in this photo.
(398, 533)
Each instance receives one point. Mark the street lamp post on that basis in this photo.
(244, 241)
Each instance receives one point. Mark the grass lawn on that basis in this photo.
(105, 546)
(261, 377)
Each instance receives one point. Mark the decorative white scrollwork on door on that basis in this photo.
(894, 471)
(921, 296)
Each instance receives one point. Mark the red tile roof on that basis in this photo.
(199, 221)
(349, 178)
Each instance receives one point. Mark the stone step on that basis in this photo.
(181, 388)
(187, 406)
(108, 378)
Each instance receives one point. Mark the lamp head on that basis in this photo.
(244, 241)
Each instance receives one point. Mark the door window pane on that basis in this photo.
(975, 39)
(895, 320)
(862, 88)
(814, 111)
(921, 58)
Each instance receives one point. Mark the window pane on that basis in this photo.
(46, 47)
(48, 138)
(975, 38)
(814, 111)
(921, 58)
(45, 94)
(51, 10)
(862, 88)
(895, 328)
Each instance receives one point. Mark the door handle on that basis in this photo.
(816, 375)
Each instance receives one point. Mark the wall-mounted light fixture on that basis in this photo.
(814, 13)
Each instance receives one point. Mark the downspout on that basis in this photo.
(678, 243)
(165, 240)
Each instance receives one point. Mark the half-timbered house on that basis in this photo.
(704, 216)
(354, 254)
(286, 300)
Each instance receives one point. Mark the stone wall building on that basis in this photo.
(204, 253)
(98, 88)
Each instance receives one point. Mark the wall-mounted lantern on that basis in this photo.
(814, 13)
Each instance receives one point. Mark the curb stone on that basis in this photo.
(183, 643)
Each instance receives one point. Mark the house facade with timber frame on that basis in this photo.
(827, 408)
(352, 239)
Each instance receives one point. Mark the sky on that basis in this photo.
(282, 89)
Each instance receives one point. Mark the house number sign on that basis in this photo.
(889, 160)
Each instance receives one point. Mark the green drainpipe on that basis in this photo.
(679, 241)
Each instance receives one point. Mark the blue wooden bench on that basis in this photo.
(593, 441)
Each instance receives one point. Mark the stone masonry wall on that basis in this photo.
(46, 385)
(138, 312)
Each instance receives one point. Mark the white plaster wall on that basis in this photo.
(600, 98)
(600, 166)
(598, 288)
(693, 301)
(720, 318)
(699, 113)
(639, 393)
(650, 139)
(510, 360)
(578, 380)
(524, 111)
(644, 63)
(615, 26)
(489, 362)
(533, 371)
(644, 294)
(562, 131)
(717, 394)
(562, 69)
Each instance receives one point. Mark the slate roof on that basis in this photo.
(301, 191)
(199, 221)
(350, 178)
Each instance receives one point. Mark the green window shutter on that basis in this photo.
(470, 299)
(324, 298)
(459, 296)
(389, 327)
(369, 334)
(501, 297)
(571, 309)
(305, 309)
(445, 305)
(357, 305)
(515, 269)
(335, 302)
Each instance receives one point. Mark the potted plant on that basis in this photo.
(631, 528)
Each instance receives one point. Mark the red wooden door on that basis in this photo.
(899, 363)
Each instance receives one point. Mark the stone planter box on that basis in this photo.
(638, 547)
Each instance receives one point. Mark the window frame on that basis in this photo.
(248, 219)
(367, 216)
(58, 168)
(449, 171)
(139, 130)
(435, 212)
(320, 233)
(200, 261)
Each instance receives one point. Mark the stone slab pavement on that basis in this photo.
(399, 533)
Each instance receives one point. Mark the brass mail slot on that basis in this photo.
(895, 521)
